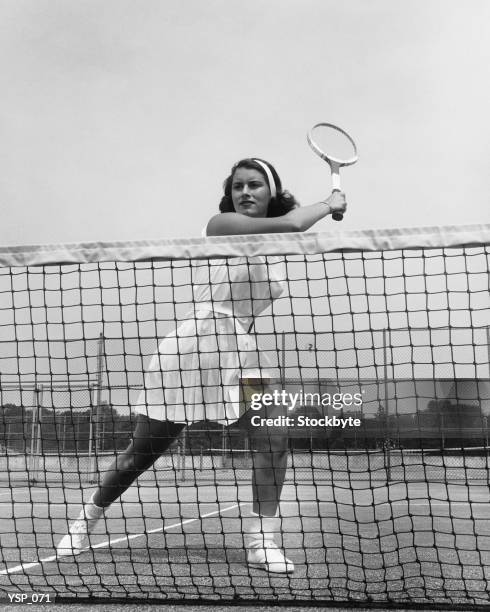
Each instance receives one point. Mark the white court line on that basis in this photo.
(25, 566)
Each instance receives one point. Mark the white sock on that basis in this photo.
(91, 511)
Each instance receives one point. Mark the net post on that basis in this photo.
(223, 445)
(183, 452)
(283, 359)
(35, 409)
(98, 394)
(39, 447)
(488, 349)
(386, 410)
(442, 425)
(91, 463)
(63, 439)
(38, 395)
(485, 418)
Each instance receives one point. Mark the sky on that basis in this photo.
(120, 119)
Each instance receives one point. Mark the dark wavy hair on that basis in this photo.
(278, 206)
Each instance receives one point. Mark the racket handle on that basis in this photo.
(337, 216)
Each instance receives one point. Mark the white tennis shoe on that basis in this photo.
(267, 556)
(77, 540)
(262, 550)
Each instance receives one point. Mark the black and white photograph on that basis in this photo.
(244, 304)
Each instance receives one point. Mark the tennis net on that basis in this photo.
(368, 353)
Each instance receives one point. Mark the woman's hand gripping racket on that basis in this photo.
(337, 148)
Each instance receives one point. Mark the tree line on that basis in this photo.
(442, 424)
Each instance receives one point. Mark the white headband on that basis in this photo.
(270, 178)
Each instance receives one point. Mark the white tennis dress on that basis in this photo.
(195, 374)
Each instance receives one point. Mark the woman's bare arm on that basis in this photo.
(296, 220)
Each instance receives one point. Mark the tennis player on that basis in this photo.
(195, 374)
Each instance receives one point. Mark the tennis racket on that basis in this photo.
(335, 147)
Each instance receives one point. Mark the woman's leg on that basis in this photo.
(269, 446)
(269, 461)
(151, 438)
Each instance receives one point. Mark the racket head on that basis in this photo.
(320, 134)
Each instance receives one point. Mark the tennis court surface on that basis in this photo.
(425, 543)
(395, 511)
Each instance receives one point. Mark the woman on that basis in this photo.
(195, 375)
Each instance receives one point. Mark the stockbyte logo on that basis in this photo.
(304, 421)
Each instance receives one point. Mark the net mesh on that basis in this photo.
(393, 509)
